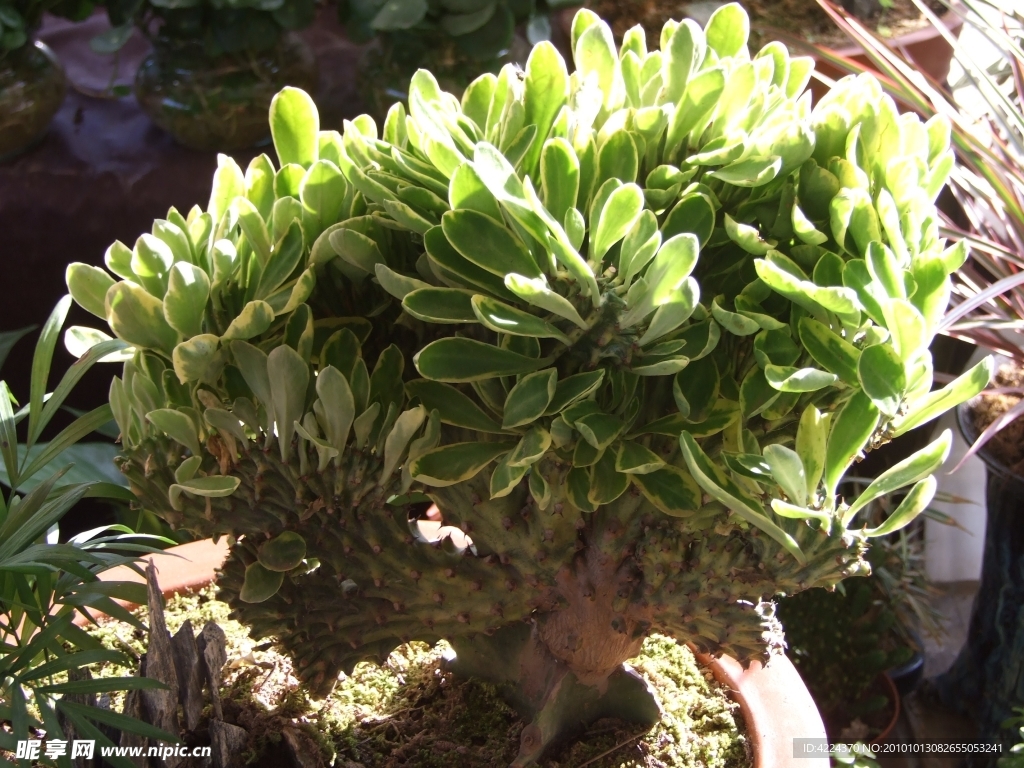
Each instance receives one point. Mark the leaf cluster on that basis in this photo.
(987, 134)
(662, 272)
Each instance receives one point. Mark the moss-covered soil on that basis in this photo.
(413, 713)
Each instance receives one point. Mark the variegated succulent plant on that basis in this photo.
(626, 326)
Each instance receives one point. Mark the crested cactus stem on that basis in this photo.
(607, 578)
(661, 370)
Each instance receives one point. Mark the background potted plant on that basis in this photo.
(987, 309)
(846, 643)
(637, 401)
(456, 40)
(214, 66)
(32, 80)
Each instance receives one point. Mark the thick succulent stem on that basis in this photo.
(546, 692)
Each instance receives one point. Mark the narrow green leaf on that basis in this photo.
(786, 378)
(830, 351)
(853, 427)
(788, 470)
(811, 439)
(453, 406)
(536, 292)
(254, 227)
(457, 462)
(573, 389)
(718, 485)
(606, 483)
(488, 244)
(294, 125)
(559, 177)
(529, 398)
(465, 360)
(883, 377)
(963, 388)
(505, 319)
(912, 469)
(440, 305)
(618, 215)
(254, 319)
(913, 504)
(285, 258)
(178, 426)
(506, 477)
(634, 459)
(531, 447)
(670, 489)
(338, 406)
(288, 375)
(406, 425)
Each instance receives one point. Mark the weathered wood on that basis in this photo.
(161, 706)
(301, 749)
(66, 725)
(213, 654)
(226, 741)
(133, 708)
(189, 673)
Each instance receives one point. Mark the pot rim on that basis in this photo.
(776, 705)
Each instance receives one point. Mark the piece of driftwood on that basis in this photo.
(303, 753)
(213, 653)
(227, 741)
(133, 708)
(66, 725)
(161, 705)
(190, 675)
(187, 663)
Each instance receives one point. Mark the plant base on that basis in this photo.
(546, 692)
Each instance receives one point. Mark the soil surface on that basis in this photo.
(412, 713)
(804, 19)
(1008, 443)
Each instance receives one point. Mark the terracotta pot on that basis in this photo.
(776, 705)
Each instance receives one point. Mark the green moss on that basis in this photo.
(411, 712)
